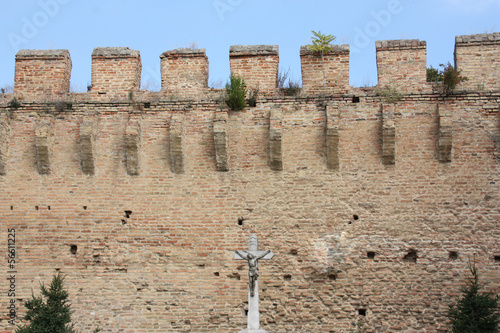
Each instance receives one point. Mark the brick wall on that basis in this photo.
(335, 64)
(184, 73)
(373, 209)
(116, 72)
(402, 64)
(42, 74)
(257, 64)
(477, 57)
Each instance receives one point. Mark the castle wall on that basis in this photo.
(373, 208)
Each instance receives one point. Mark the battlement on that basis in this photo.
(116, 71)
(478, 58)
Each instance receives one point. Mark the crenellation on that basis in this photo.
(335, 66)
(42, 74)
(476, 56)
(257, 64)
(402, 65)
(116, 73)
(184, 73)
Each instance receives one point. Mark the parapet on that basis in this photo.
(184, 72)
(402, 64)
(336, 69)
(477, 56)
(42, 74)
(257, 64)
(116, 71)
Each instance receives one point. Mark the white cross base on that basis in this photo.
(253, 319)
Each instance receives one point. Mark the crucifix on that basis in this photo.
(253, 255)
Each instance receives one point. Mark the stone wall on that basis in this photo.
(373, 209)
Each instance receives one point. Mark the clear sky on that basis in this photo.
(153, 27)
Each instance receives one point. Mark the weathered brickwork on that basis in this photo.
(184, 73)
(478, 58)
(257, 64)
(116, 72)
(42, 74)
(402, 64)
(373, 209)
(335, 65)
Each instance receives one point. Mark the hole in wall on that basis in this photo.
(216, 273)
(36, 207)
(48, 207)
(73, 248)
(362, 312)
(411, 256)
(332, 276)
(287, 277)
(355, 99)
(370, 255)
(147, 105)
(84, 207)
(497, 258)
(294, 252)
(124, 222)
(355, 217)
(240, 220)
(453, 255)
(128, 213)
(11, 207)
(246, 313)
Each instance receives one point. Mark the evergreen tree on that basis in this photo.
(50, 312)
(475, 311)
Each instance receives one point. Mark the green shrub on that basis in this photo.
(50, 312)
(474, 311)
(236, 91)
(447, 78)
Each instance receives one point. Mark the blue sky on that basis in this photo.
(153, 27)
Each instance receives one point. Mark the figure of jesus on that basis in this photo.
(253, 269)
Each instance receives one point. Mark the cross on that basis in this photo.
(253, 256)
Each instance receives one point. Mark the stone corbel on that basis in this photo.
(44, 137)
(332, 137)
(132, 145)
(4, 143)
(220, 140)
(275, 139)
(388, 134)
(445, 133)
(176, 142)
(88, 129)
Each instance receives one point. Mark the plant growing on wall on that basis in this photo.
(474, 311)
(447, 78)
(236, 91)
(50, 312)
(321, 44)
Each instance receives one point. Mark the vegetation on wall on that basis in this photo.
(236, 90)
(446, 78)
(321, 44)
(50, 312)
(474, 311)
